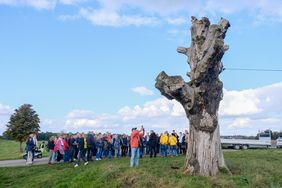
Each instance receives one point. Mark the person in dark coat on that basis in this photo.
(72, 146)
(81, 154)
(29, 149)
(90, 146)
(50, 146)
(153, 141)
(124, 145)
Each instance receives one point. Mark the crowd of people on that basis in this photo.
(91, 146)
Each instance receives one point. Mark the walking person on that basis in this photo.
(153, 141)
(71, 143)
(34, 139)
(60, 148)
(50, 146)
(116, 145)
(90, 146)
(75, 144)
(54, 157)
(29, 149)
(81, 148)
(99, 145)
(134, 144)
(66, 149)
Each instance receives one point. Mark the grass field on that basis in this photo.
(251, 168)
(10, 150)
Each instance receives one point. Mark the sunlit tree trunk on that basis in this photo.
(201, 96)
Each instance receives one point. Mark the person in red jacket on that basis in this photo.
(134, 144)
(66, 149)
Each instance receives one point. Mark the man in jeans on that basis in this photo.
(172, 142)
(134, 144)
(100, 145)
(81, 153)
(164, 143)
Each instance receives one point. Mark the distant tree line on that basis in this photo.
(275, 135)
(45, 135)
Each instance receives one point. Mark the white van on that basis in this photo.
(279, 142)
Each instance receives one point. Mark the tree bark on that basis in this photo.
(201, 96)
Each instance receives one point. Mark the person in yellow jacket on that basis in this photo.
(163, 144)
(172, 143)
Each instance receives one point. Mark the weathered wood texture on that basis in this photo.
(201, 96)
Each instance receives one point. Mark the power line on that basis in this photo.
(247, 69)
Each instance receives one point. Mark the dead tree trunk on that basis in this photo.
(201, 96)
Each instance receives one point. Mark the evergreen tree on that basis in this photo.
(23, 122)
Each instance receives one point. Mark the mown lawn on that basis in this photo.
(251, 168)
(10, 150)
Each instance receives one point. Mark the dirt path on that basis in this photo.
(21, 162)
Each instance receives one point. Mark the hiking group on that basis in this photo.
(91, 146)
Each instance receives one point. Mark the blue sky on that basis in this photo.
(91, 65)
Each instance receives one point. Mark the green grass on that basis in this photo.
(10, 150)
(251, 168)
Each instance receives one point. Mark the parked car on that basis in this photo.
(279, 142)
(37, 154)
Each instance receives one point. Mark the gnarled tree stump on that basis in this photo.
(201, 96)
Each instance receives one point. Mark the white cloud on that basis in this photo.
(84, 120)
(260, 11)
(71, 2)
(240, 123)
(141, 90)
(37, 4)
(80, 114)
(242, 112)
(40, 4)
(119, 12)
(160, 7)
(156, 108)
(177, 21)
(5, 112)
(247, 111)
(176, 12)
(79, 123)
(239, 103)
(251, 101)
(104, 17)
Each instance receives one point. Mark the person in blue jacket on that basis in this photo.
(30, 146)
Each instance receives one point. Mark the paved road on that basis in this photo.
(21, 162)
